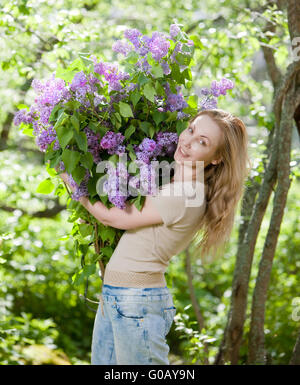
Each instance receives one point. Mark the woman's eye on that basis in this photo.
(203, 142)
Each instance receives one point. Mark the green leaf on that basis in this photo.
(129, 131)
(114, 159)
(159, 89)
(139, 201)
(85, 229)
(64, 74)
(87, 160)
(80, 275)
(193, 101)
(125, 110)
(64, 134)
(72, 104)
(145, 127)
(149, 92)
(54, 111)
(22, 107)
(157, 71)
(28, 131)
(158, 117)
(61, 119)
(81, 140)
(107, 251)
(142, 79)
(75, 122)
(70, 159)
(183, 59)
(135, 97)
(150, 59)
(171, 116)
(197, 41)
(181, 126)
(45, 187)
(151, 131)
(107, 233)
(132, 57)
(76, 64)
(78, 174)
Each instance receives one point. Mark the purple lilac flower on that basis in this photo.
(176, 50)
(166, 143)
(166, 68)
(144, 65)
(182, 115)
(122, 47)
(220, 88)
(174, 30)
(116, 184)
(49, 93)
(81, 86)
(109, 71)
(174, 102)
(23, 116)
(111, 142)
(145, 150)
(46, 137)
(133, 35)
(93, 142)
(209, 103)
(82, 189)
(147, 178)
(158, 45)
(133, 184)
(131, 86)
(79, 81)
(61, 166)
(98, 99)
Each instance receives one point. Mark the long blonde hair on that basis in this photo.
(224, 184)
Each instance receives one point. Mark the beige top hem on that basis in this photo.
(134, 279)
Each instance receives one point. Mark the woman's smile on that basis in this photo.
(182, 152)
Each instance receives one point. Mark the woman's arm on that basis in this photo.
(124, 219)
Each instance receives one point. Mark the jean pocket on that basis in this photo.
(168, 314)
(130, 310)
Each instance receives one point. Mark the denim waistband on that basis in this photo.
(134, 291)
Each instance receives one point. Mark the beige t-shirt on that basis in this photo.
(143, 254)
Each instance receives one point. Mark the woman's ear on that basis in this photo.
(216, 161)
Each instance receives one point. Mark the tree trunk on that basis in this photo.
(256, 335)
(230, 345)
(295, 360)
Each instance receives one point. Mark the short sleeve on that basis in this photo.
(171, 208)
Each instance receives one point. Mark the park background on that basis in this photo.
(243, 308)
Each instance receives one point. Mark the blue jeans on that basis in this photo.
(134, 326)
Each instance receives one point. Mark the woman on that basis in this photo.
(137, 308)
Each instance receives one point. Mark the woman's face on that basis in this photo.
(199, 141)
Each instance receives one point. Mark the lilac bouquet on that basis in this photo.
(95, 111)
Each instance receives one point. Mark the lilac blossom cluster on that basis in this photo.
(111, 74)
(82, 189)
(118, 181)
(49, 94)
(111, 142)
(210, 95)
(87, 90)
(117, 194)
(174, 102)
(93, 142)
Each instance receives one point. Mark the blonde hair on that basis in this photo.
(224, 184)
